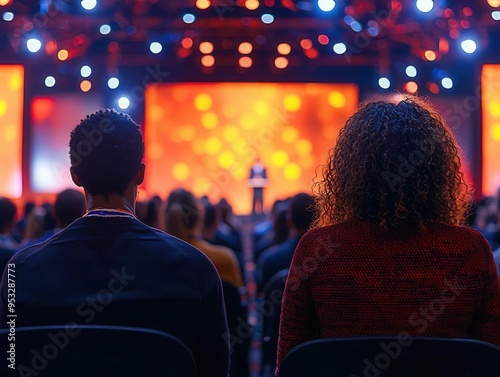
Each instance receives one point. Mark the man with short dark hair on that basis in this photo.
(109, 268)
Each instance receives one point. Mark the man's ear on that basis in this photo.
(139, 177)
(76, 179)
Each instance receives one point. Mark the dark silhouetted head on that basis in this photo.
(301, 211)
(7, 214)
(106, 151)
(69, 206)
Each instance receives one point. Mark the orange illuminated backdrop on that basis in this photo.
(11, 129)
(490, 95)
(205, 137)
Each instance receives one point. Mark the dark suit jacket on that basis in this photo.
(118, 271)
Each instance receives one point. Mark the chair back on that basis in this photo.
(237, 323)
(87, 350)
(401, 356)
(273, 294)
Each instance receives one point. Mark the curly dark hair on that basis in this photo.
(395, 164)
(106, 151)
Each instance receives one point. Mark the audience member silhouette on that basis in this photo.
(109, 268)
(279, 257)
(183, 219)
(387, 255)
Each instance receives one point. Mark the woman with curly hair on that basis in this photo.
(388, 254)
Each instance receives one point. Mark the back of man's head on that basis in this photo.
(106, 151)
(69, 206)
(301, 212)
(7, 214)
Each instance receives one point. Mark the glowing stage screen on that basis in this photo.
(52, 119)
(490, 96)
(11, 129)
(206, 136)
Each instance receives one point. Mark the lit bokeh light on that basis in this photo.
(292, 102)
(203, 102)
(252, 4)
(50, 81)
(430, 55)
(62, 55)
(245, 62)
(208, 61)
(85, 85)
(202, 4)
(206, 47)
(284, 48)
(281, 62)
(245, 48)
(336, 100)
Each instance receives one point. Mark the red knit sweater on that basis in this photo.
(353, 279)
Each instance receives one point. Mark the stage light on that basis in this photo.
(155, 47)
(85, 86)
(306, 44)
(469, 46)
(495, 15)
(206, 47)
(339, 48)
(425, 6)
(284, 48)
(323, 39)
(187, 43)
(50, 81)
(356, 26)
(123, 102)
(251, 4)
(208, 61)
(267, 18)
(4, 2)
(89, 4)
(188, 18)
(33, 45)
(62, 54)
(8, 16)
(384, 83)
(105, 29)
(411, 71)
(85, 71)
(245, 62)
(245, 48)
(113, 83)
(281, 62)
(411, 87)
(447, 83)
(202, 4)
(326, 5)
(430, 55)
(494, 3)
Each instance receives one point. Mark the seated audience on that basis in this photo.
(8, 245)
(388, 255)
(265, 237)
(109, 268)
(69, 206)
(183, 219)
(279, 257)
(228, 232)
(18, 232)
